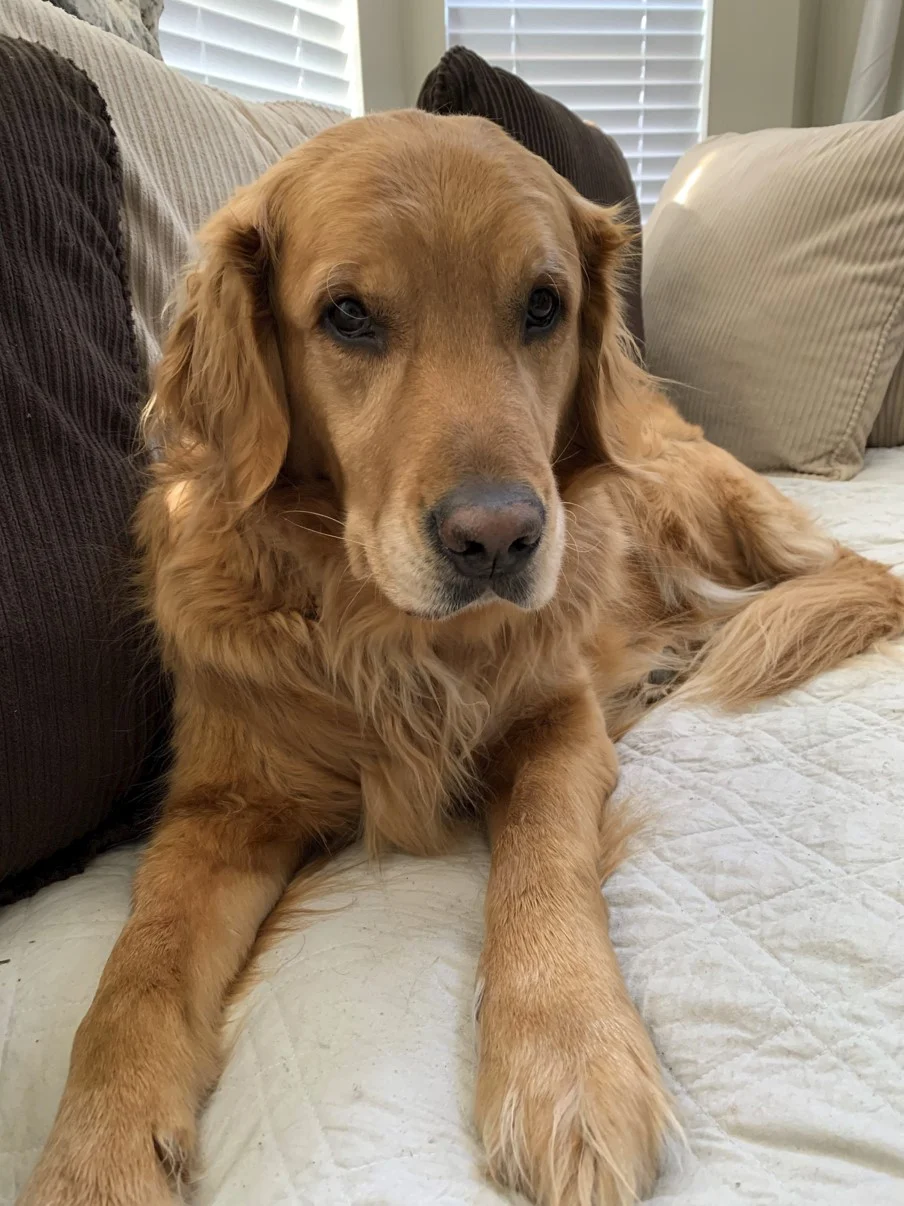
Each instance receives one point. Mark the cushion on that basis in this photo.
(185, 148)
(888, 429)
(134, 20)
(82, 723)
(774, 291)
(464, 83)
(81, 707)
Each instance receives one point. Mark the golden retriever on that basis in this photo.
(421, 540)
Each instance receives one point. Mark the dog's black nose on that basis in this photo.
(487, 528)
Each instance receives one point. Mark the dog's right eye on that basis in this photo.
(347, 319)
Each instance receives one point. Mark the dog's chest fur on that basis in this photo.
(426, 712)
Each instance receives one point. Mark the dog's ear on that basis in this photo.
(592, 430)
(219, 388)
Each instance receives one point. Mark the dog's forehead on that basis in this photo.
(399, 192)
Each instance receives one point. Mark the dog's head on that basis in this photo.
(418, 315)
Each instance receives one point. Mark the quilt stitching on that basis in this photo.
(781, 834)
(820, 1003)
(300, 1082)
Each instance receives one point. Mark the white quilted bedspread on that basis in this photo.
(760, 925)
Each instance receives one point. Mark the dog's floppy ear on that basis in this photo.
(219, 387)
(593, 430)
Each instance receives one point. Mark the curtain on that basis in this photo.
(873, 87)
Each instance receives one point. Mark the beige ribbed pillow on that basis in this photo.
(184, 147)
(888, 429)
(774, 292)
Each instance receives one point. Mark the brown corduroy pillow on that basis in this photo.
(82, 706)
(464, 83)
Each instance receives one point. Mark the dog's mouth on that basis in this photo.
(453, 598)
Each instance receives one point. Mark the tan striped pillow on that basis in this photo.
(888, 429)
(774, 293)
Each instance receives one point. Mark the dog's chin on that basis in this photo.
(450, 599)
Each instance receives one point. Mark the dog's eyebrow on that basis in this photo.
(553, 267)
(546, 262)
(550, 272)
(340, 280)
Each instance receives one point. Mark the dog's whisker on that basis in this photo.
(315, 514)
(314, 531)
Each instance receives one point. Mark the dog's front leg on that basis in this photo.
(148, 1049)
(569, 1098)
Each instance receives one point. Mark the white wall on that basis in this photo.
(424, 40)
(839, 28)
(380, 34)
(400, 40)
(761, 64)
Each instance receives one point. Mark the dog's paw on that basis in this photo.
(570, 1105)
(109, 1156)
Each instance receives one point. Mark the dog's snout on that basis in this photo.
(486, 528)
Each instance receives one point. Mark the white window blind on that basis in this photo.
(635, 67)
(265, 49)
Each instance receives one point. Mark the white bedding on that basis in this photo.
(760, 925)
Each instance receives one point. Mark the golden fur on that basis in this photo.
(325, 685)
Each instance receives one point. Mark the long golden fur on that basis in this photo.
(331, 682)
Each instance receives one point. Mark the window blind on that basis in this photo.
(634, 67)
(265, 49)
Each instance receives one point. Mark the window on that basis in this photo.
(266, 49)
(635, 67)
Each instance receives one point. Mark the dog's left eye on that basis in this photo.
(543, 309)
(348, 319)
